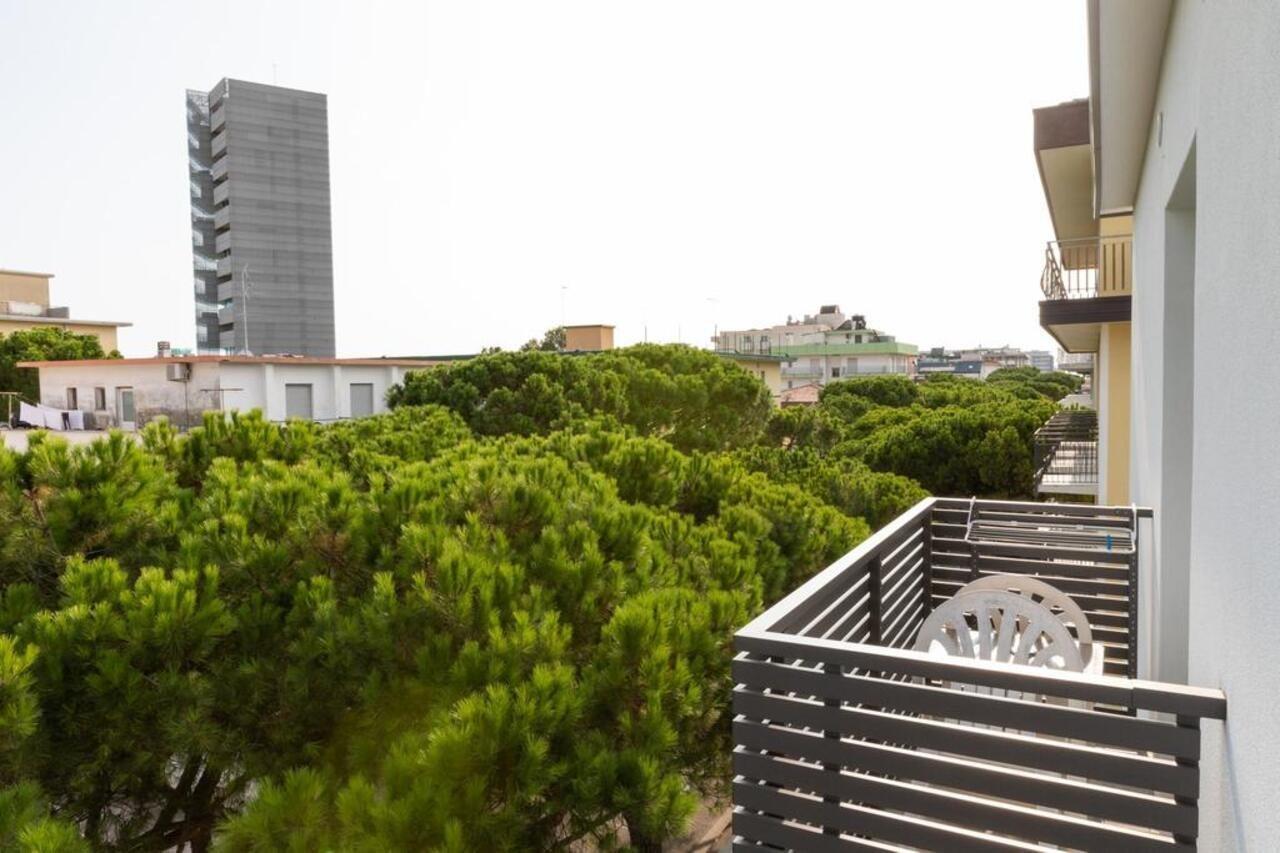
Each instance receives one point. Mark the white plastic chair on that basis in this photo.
(1007, 627)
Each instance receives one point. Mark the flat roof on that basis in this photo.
(753, 356)
(590, 326)
(24, 272)
(59, 321)
(236, 359)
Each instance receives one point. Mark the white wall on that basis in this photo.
(263, 386)
(154, 393)
(228, 385)
(1220, 90)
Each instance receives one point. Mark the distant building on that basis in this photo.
(801, 395)
(129, 392)
(1001, 356)
(765, 366)
(823, 347)
(590, 338)
(260, 219)
(24, 304)
(971, 364)
(1041, 359)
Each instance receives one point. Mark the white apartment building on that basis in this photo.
(129, 392)
(823, 347)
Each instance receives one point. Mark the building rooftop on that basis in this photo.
(240, 359)
(25, 272)
(753, 356)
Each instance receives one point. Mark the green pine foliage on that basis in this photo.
(46, 343)
(951, 435)
(377, 635)
(692, 398)
(498, 618)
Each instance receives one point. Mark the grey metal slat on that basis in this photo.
(1040, 754)
(1053, 720)
(1037, 789)
(1026, 824)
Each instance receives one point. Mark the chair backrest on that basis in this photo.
(1037, 590)
(998, 625)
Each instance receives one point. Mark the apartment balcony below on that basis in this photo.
(847, 736)
(1066, 454)
(1086, 282)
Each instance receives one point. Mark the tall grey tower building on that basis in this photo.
(260, 235)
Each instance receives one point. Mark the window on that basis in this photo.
(748, 345)
(857, 339)
(99, 399)
(297, 401)
(361, 399)
(835, 373)
(73, 399)
(765, 345)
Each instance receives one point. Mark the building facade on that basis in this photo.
(823, 347)
(766, 367)
(262, 250)
(1041, 359)
(130, 392)
(595, 337)
(25, 304)
(1173, 157)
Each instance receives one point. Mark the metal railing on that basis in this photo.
(1066, 453)
(1088, 267)
(846, 738)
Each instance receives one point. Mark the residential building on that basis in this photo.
(25, 304)
(1087, 286)
(801, 395)
(1005, 356)
(763, 365)
(1184, 127)
(589, 338)
(977, 363)
(823, 347)
(260, 219)
(130, 392)
(1041, 359)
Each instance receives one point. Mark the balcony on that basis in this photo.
(1085, 282)
(847, 738)
(1066, 454)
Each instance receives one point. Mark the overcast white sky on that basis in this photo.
(672, 165)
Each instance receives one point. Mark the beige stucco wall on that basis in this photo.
(1116, 361)
(24, 287)
(105, 334)
(768, 372)
(592, 338)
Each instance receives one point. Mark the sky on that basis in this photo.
(499, 168)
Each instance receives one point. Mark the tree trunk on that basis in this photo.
(639, 841)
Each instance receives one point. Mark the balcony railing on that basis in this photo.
(847, 739)
(1066, 454)
(1088, 267)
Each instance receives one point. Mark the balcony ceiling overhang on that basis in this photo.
(1076, 324)
(1126, 46)
(1064, 157)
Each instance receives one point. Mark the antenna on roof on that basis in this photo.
(245, 287)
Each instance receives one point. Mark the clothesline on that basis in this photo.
(50, 418)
